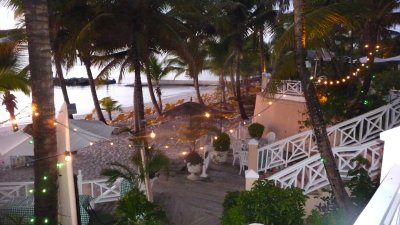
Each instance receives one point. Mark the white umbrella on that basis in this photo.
(82, 132)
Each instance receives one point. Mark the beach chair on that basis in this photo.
(147, 111)
(89, 117)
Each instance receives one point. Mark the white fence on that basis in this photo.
(290, 87)
(384, 207)
(310, 174)
(99, 190)
(356, 131)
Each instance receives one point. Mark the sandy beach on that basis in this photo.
(92, 159)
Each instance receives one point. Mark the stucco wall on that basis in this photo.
(281, 116)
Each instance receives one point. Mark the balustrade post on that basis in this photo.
(251, 177)
(79, 182)
(253, 155)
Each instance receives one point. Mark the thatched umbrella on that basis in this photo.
(188, 109)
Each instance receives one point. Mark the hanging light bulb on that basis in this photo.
(68, 157)
(207, 115)
(366, 46)
(152, 134)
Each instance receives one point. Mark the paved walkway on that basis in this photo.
(188, 202)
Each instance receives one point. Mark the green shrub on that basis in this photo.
(193, 158)
(256, 130)
(222, 143)
(134, 208)
(266, 204)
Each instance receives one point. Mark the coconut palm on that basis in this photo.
(157, 71)
(80, 44)
(44, 131)
(191, 62)
(109, 105)
(146, 26)
(315, 112)
(12, 78)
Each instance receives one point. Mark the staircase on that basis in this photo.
(298, 160)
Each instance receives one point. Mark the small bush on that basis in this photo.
(134, 208)
(222, 143)
(193, 158)
(256, 130)
(266, 204)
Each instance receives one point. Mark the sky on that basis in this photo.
(6, 18)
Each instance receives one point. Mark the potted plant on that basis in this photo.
(193, 163)
(256, 130)
(221, 146)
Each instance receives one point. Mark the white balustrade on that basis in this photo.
(10, 190)
(99, 190)
(310, 174)
(356, 131)
(290, 87)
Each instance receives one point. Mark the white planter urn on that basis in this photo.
(220, 157)
(193, 169)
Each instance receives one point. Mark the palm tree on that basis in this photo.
(109, 105)
(219, 61)
(157, 71)
(315, 112)
(12, 78)
(44, 131)
(376, 19)
(81, 44)
(191, 62)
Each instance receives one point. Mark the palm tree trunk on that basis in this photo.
(238, 92)
(232, 78)
(197, 88)
(158, 91)
(138, 96)
(61, 79)
(109, 115)
(151, 91)
(261, 49)
(44, 131)
(93, 90)
(222, 83)
(315, 112)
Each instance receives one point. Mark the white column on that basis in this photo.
(79, 182)
(67, 200)
(253, 155)
(251, 177)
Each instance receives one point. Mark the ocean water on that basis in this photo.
(82, 97)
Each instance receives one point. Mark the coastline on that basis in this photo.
(6, 129)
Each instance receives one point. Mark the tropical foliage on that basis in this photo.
(265, 203)
(109, 105)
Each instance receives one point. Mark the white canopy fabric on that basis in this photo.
(380, 60)
(82, 133)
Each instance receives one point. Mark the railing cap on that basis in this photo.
(251, 174)
(253, 142)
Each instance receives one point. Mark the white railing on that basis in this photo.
(10, 190)
(356, 131)
(310, 174)
(384, 207)
(99, 190)
(290, 87)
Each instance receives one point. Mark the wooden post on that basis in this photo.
(253, 155)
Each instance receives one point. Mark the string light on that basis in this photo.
(355, 73)
(152, 134)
